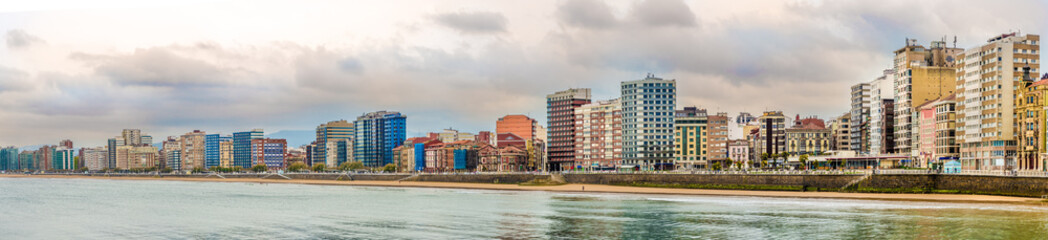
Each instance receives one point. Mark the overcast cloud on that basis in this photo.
(86, 73)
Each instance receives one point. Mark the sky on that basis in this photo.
(84, 70)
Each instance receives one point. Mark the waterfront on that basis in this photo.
(33, 208)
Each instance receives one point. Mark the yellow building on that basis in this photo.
(690, 139)
(1030, 122)
(225, 154)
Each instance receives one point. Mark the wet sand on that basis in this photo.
(596, 188)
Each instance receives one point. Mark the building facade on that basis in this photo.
(648, 107)
(213, 149)
(882, 114)
(946, 145)
(194, 149)
(598, 135)
(739, 152)
(921, 75)
(842, 133)
(861, 101)
(560, 122)
(1030, 122)
(986, 80)
(269, 152)
(717, 145)
(691, 139)
(452, 135)
(808, 136)
(375, 136)
(771, 136)
(242, 147)
(225, 154)
(337, 134)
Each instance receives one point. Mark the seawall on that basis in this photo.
(881, 183)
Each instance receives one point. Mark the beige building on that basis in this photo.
(986, 84)
(132, 136)
(193, 150)
(946, 145)
(225, 154)
(136, 157)
(598, 135)
(96, 158)
(1030, 122)
(452, 135)
(717, 128)
(921, 75)
(808, 136)
(842, 133)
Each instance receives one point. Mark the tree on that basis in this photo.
(728, 163)
(350, 166)
(238, 169)
(804, 161)
(167, 170)
(319, 167)
(844, 164)
(716, 166)
(258, 168)
(785, 157)
(198, 169)
(388, 168)
(296, 167)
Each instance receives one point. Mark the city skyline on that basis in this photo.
(67, 73)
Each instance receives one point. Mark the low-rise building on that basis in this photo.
(808, 136)
(739, 151)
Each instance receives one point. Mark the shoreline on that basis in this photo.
(598, 188)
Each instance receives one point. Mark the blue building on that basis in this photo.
(9, 159)
(461, 156)
(242, 147)
(375, 136)
(212, 150)
(420, 157)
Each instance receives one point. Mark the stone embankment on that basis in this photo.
(879, 183)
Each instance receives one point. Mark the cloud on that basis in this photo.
(156, 66)
(473, 22)
(799, 57)
(13, 80)
(19, 38)
(586, 13)
(664, 13)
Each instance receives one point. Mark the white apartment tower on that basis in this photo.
(986, 80)
(648, 106)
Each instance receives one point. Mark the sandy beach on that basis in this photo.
(596, 188)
